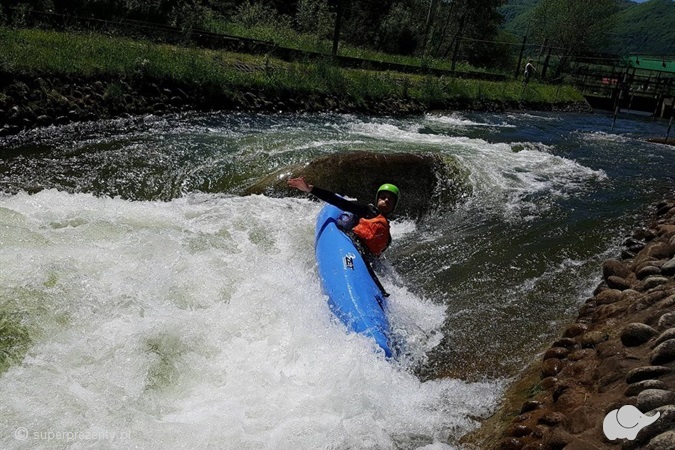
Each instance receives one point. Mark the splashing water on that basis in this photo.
(194, 317)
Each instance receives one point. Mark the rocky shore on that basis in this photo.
(29, 102)
(619, 351)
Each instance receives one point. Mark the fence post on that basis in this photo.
(545, 68)
(338, 24)
(520, 57)
(457, 41)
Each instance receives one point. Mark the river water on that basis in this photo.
(166, 310)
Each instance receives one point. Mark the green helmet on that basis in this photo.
(390, 188)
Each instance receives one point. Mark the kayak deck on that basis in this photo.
(353, 295)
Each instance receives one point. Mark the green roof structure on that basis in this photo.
(657, 63)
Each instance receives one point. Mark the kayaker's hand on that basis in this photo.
(300, 184)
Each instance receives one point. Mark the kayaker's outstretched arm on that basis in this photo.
(300, 184)
(332, 198)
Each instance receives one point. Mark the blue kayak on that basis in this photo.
(353, 295)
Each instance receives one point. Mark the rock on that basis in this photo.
(519, 431)
(650, 399)
(666, 231)
(571, 398)
(646, 234)
(551, 419)
(648, 271)
(630, 295)
(652, 297)
(548, 383)
(426, 181)
(665, 422)
(666, 321)
(646, 373)
(636, 388)
(567, 343)
(44, 120)
(635, 334)
(632, 241)
(619, 283)
(530, 405)
(510, 444)
(8, 130)
(664, 353)
(557, 439)
(556, 352)
(613, 267)
(578, 355)
(62, 120)
(669, 267)
(593, 338)
(665, 441)
(610, 295)
(648, 262)
(658, 250)
(668, 302)
(665, 336)
(551, 367)
(574, 330)
(625, 254)
(654, 281)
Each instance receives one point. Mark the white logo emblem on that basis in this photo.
(626, 423)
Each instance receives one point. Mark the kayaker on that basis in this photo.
(370, 223)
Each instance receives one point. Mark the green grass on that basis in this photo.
(41, 53)
(311, 43)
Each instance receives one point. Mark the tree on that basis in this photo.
(573, 26)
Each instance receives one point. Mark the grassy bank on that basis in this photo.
(49, 77)
(39, 53)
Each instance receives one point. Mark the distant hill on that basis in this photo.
(517, 15)
(644, 28)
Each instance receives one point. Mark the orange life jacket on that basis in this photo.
(373, 233)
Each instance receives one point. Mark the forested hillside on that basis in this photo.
(404, 27)
(482, 34)
(645, 28)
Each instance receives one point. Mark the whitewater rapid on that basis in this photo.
(164, 311)
(199, 323)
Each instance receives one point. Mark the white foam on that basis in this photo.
(503, 176)
(456, 120)
(200, 323)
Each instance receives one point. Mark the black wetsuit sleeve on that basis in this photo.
(361, 210)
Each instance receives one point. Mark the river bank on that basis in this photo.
(619, 351)
(49, 77)
(27, 102)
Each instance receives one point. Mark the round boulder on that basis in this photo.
(664, 353)
(614, 267)
(653, 398)
(635, 334)
(425, 180)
